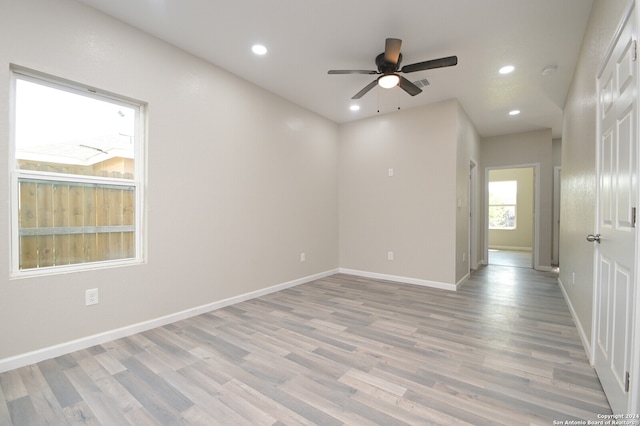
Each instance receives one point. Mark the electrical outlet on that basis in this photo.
(91, 296)
(303, 257)
(390, 255)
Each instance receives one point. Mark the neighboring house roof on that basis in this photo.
(82, 152)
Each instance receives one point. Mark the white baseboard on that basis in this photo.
(463, 279)
(405, 280)
(585, 340)
(33, 357)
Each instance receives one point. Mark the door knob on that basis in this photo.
(591, 238)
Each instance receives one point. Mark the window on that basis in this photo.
(502, 204)
(76, 177)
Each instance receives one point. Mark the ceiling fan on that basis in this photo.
(388, 64)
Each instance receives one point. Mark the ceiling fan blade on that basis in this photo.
(392, 50)
(352, 72)
(408, 86)
(434, 63)
(365, 90)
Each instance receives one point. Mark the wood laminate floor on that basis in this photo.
(520, 259)
(503, 349)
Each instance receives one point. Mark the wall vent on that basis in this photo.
(422, 83)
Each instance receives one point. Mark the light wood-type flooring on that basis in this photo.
(520, 259)
(503, 349)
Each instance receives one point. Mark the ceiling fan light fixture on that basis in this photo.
(388, 81)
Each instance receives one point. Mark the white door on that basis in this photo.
(614, 273)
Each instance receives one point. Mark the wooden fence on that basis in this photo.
(63, 223)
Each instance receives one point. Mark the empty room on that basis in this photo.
(253, 212)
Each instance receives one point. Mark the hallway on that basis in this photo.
(520, 259)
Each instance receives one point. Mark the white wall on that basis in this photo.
(414, 213)
(557, 152)
(528, 149)
(577, 218)
(240, 181)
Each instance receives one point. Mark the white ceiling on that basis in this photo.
(306, 38)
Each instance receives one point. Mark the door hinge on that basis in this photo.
(633, 217)
(627, 382)
(634, 50)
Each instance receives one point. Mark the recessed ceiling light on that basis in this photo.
(354, 107)
(259, 49)
(514, 112)
(506, 69)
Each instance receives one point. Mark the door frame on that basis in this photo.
(555, 251)
(473, 214)
(634, 391)
(634, 364)
(536, 210)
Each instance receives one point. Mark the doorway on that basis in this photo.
(511, 219)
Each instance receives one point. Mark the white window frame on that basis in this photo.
(138, 181)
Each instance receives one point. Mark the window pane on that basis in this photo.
(66, 132)
(503, 192)
(502, 217)
(64, 223)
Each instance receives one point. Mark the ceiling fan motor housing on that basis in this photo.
(386, 67)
